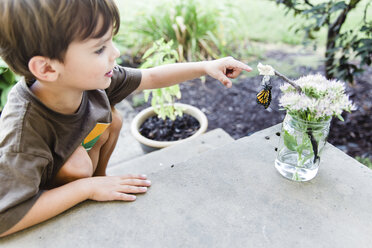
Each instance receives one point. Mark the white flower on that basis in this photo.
(289, 100)
(287, 88)
(320, 98)
(322, 108)
(265, 70)
(318, 83)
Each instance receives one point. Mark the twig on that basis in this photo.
(314, 144)
(298, 88)
(308, 3)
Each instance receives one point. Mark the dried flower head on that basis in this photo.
(265, 70)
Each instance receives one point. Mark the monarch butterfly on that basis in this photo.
(264, 96)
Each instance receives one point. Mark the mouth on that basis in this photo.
(109, 74)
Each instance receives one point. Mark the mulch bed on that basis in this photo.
(235, 110)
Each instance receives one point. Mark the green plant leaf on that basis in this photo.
(9, 77)
(178, 111)
(162, 99)
(289, 141)
(340, 118)
(149, 52)
(4, 96)
(3, 84)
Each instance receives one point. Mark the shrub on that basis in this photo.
(7, 80)
(195, 31)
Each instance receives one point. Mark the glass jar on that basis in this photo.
(300, 147)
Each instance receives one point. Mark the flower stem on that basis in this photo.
(298, 88)
(314, 144)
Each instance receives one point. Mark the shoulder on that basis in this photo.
(12, 119)
(131, 77)
(126, 73)
(17, 123)
(125, 80)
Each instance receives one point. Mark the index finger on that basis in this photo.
(240, 65)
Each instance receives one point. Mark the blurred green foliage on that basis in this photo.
(239, 23)
(7, 80)
(197, 32)
(343, 45)
(366, 161)
(246, 27)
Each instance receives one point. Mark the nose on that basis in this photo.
(115, 53)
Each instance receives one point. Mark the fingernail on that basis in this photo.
(148, 182)
(143, 176)
(132, 197)
(143, 188)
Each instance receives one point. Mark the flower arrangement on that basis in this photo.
(319, 100)
(311, 98)
(310, 101)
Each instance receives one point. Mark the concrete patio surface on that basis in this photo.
(166, 157)
(231, 196)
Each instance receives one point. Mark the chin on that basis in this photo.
(106, 85)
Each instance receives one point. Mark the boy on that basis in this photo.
(59, 127)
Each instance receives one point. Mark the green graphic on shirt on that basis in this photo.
(94, 135)
(90, 144)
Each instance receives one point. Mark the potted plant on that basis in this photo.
(310, 101)
(165, 123)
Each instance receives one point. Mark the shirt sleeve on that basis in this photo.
(20, 176)
(124, 81)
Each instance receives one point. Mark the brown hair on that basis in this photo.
(31, 28)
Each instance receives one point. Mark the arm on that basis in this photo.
(52, 203)
(167, 75)
(57, 200)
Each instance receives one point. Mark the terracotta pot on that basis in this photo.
(149, 145)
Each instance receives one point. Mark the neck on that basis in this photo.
(62, 100)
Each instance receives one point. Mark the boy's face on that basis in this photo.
(88, 64)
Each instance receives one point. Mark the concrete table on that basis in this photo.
(229, 197)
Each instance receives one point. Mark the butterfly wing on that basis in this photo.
(264, 97)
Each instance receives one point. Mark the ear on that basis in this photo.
(43, 68)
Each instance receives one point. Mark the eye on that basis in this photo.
(99, 51)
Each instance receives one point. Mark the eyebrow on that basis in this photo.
(102, 41)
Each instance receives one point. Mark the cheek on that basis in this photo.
(77, 66)
(97, 66)
(90, 69)
(86, 67)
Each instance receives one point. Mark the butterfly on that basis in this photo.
(264, 96)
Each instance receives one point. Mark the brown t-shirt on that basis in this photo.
(35, 141)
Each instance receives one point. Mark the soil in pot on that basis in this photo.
(182, 127)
